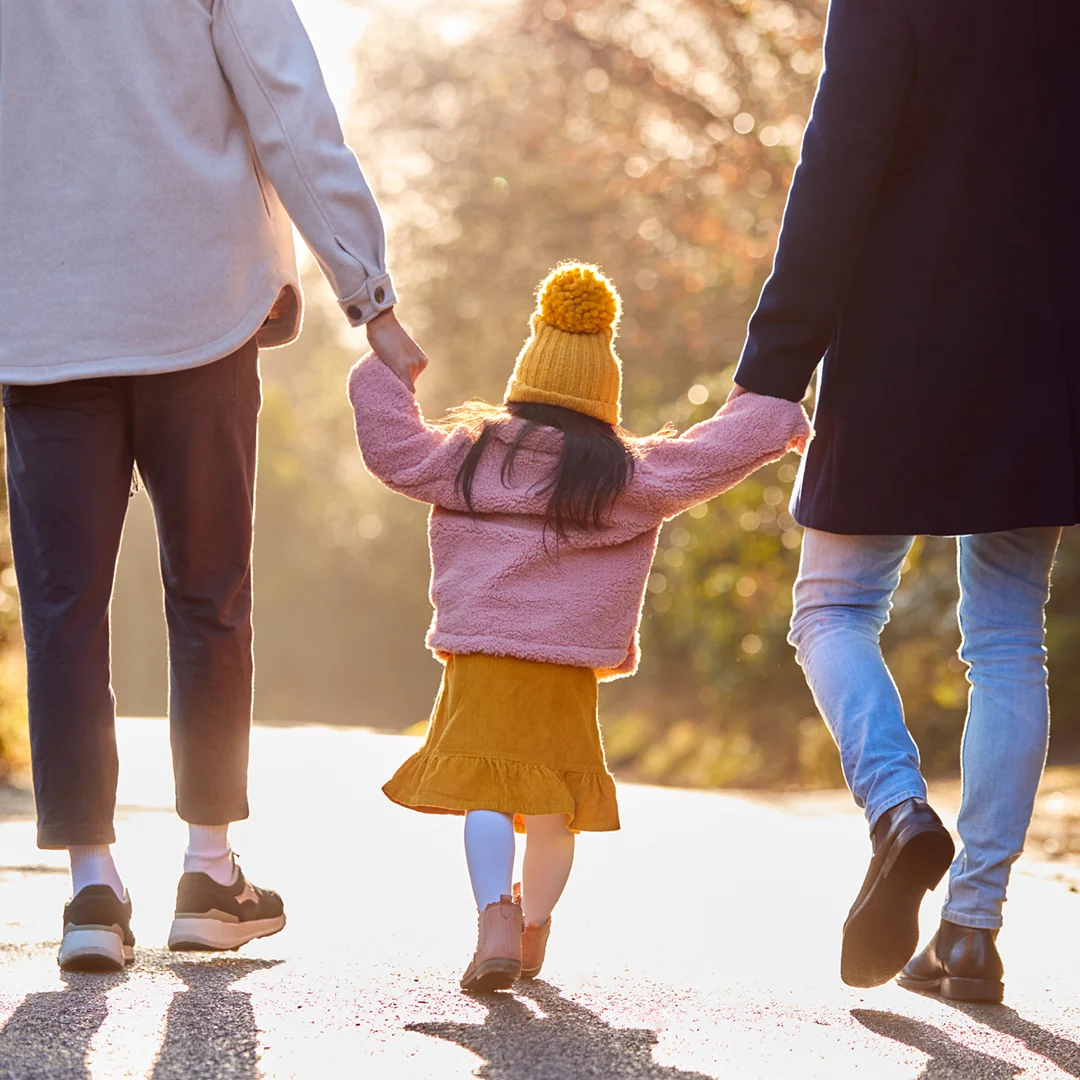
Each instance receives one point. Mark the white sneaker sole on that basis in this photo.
(194, 934)
(94, 949)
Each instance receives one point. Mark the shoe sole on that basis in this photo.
(530, 973)
(990, 990)
(498, 973)
(883, 934)
(192, 933)
(94, 950)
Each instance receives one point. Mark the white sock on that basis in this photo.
(92, 864)
(209, 852)
(549, 855)
(489, 851)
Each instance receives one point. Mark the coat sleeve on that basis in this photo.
(398, 447)
(671, 475)
(268, 60)
(869, 62)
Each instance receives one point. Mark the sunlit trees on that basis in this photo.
(635, 134)
(14, 746)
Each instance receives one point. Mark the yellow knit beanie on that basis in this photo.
(569, 359)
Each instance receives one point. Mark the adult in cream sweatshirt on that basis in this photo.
(154, 158)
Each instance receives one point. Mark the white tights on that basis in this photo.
(489, 851)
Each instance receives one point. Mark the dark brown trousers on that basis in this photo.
(71, 450)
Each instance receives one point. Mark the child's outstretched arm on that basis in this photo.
(270, 64)
(398, 447)
(749, 431)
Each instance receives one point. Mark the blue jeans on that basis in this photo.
(843, 597)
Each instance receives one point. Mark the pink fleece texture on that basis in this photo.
(495, 586)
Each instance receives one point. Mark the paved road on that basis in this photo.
(698, 944)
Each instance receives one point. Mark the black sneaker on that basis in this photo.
(97, 931)
(212, 917)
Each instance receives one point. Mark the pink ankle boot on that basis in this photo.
(534, 939)
(496, 964)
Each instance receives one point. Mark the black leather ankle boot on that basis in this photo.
(911, 852)
(959, 963)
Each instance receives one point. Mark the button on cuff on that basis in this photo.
(376, 296)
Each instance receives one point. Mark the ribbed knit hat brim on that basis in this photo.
(578, 371)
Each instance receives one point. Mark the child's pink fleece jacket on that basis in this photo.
(495, 587)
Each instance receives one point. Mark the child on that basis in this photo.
(544, 525)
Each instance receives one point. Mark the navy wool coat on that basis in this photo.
(930, 261)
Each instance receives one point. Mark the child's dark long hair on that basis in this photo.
(595, 465)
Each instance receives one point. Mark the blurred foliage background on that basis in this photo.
(657, 138)
(14, 740)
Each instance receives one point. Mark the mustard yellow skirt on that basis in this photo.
(515, 736)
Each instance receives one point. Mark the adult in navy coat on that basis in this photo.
(929, 261)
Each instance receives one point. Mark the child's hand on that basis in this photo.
(394, 347)
(798, 443)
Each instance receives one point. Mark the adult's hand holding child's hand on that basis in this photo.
(798, 443)
(393, 346)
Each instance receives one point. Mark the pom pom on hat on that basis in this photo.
(579, 299)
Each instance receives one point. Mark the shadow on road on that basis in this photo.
(210, 1028)
(568, 1040)
(49, 1034)
(1064, 1053)
(949, 1060)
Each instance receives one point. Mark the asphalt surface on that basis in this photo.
(699, 943)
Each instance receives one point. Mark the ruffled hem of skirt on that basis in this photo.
(457, 783)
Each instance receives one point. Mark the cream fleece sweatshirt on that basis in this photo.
(152, 154)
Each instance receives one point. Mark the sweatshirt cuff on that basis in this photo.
(376, 296)
(371, 377)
